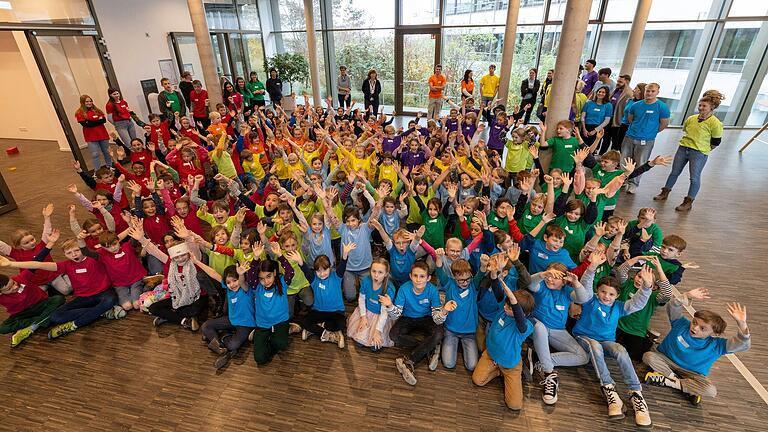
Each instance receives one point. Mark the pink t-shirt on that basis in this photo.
(29, 294)
(123, 267)
(88, 277)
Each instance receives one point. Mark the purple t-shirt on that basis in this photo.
(411, 159)
(468, 130)
(390, 144)
(452, 125)
(496, 136)
(590, 78)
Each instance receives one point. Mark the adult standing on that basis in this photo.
(119, 115)
(257, 88)
(171, 101)
(589, 76)
(371, 91)
(596, 115)
(186, 86)
(199, 102)
(702, 133)
(541, 112)
(646, 119)
(275, 87)
(621, 94)
(344, 88)
(489, 86)
(604, 80)
(92, 119)
(467, 84)
(528, 90)
(436, 86)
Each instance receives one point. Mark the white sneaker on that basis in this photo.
(406, 370)
(615, 405)
(642, 415)
(304, 334)
(340, 339)
(250, 335)
(293, 328)
(327, 336)
(434, 360)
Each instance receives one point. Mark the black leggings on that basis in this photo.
(332, 321)
(402, 334)
(212, 328)
(164, 309)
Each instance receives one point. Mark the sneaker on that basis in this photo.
(62, 329)
(115, 313)
(405, 367)
(304, 334)
(20, 336)
(694, 399)
(157, 322)
(328, 336)
(250, 335)
(340, 339)
(216, 347)
(655, 379)
(293, 328)
(550, 384)
(194, 324)
(152, 281)
(642, 416)
(528, 365)
(223, 360)
(631, 189)
(434, 360)
(615, 405)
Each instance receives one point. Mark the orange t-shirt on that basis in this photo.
(436, 81)
(217, 129)
(469, 87)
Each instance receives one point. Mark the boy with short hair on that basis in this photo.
(683, 359)
(542, 253)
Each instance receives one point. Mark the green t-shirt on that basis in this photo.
(666, 266)
(173, 98)
(254, 87)
(605, 177)
(219, 261)
(603, 270)
(562, 153)
(637, 323)
(224, 163)
(299, 281)
(545, 189)
(575, 235)
(434, 232)
(414, 214)
(518, 158)
(654, 230)
(697, 135)
(500, 223)
(527, 221)
(601, 201)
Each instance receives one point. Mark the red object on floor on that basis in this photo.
(12, 151)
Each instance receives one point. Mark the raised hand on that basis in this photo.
(242, 268)
(534, 151)
(644, 235)
(53, 237)
(567, 179)
(484, 260)
(385, 300)
(548, 217)
(597, 258)
(738, 312)
(346, 248)
(629, 165)
(660, 160)
(48, 210)
(600, 229)
(698, 294)
(646, 274)
(295, 256)
(514, 252)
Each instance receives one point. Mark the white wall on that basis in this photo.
(136, 33)
(26, 110)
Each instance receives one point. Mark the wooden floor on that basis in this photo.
(125, 375)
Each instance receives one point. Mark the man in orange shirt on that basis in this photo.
(436, 87)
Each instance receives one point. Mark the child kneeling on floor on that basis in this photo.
(504, 342)
(683, 359)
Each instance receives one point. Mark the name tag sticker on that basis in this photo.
(120, 255)
(234, 300)
(642, 142)
(268, 294)
(568, 146)
(649, 111)
(543, 256)
(81, 270)
(682, 341)
(560, 307)
(501, 322)
(424, 301)
(464, 294)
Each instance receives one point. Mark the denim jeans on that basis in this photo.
(126, 129)
(351, 282)
(598, 351)
(468, 349)
(697, 161)
(632, 148)
(568, 352)
(85, 310)
(129, 294)
(100, 148)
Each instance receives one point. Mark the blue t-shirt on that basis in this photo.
(486, 302)
(371, 296)
(463, 319)
(595, 113)
(647, 118)
(359, 258)
(417, 305)
(314, 245)
(626, 111)
(400, 264)
(599, 321)
(389, 222)
(271, 307)
(327, 293)
(694, 354)
(539, 257)
(552, 306)
(504, 341)
(241, 309)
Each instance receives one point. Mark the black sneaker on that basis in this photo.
(694, 399)
(550, 385)
(159, 321)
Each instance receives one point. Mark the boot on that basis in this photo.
(686, 205)
(615, 405)
(642, 416)
(215, 346)
(663, 195)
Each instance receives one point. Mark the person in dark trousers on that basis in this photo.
(371, 91)
(529, 88)
(275, 87)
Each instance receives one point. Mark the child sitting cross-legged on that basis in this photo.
(683, 359)
(326, 317)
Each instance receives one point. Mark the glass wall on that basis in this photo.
(682, 39)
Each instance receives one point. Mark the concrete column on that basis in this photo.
(567, 64)
(510, 36)
(314, 70)
(205, 50)
(636, 36)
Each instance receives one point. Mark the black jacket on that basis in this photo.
(275, 88)
(527, 92)
(371, 95)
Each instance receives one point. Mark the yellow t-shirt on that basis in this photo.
(697, 135)
(389, 173)
(489, 84)
(255, 167)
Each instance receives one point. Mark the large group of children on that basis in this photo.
(334, 223)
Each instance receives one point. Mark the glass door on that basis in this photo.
(72, 64)
(417, 53)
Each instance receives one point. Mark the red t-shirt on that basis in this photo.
(39, 277)
(155, 227)
(123, 267)
(92, 133)
(119, 110)
(198, 103)
(88, 277)
(190, 133)
(145, 156)
(111, 188)
(161, 130)
(29, 294)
